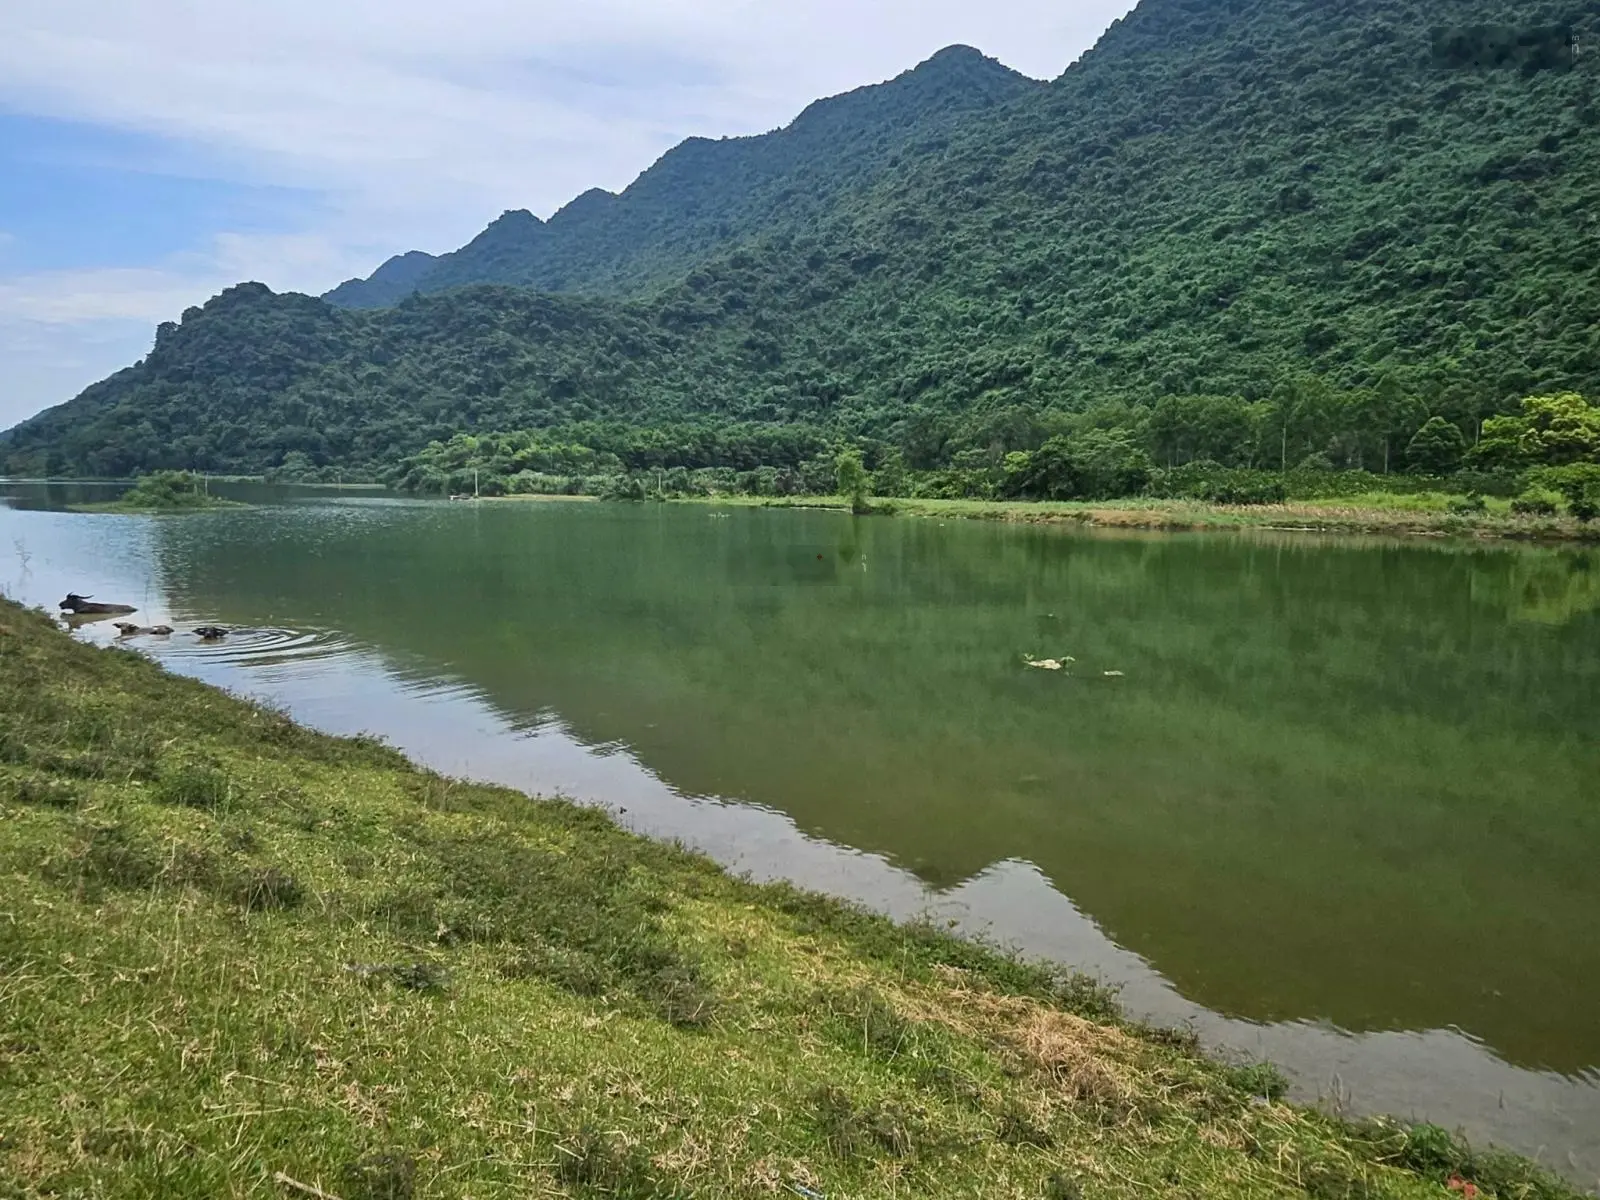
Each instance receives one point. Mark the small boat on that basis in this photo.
(82, 605)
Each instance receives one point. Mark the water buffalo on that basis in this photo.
(127, 629)
(81, 605)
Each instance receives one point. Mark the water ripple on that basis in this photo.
(253, 647)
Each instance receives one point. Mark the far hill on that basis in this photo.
(1225, 197)
(389, 284)
(705, 194)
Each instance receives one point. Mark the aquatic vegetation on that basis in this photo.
(163, 491)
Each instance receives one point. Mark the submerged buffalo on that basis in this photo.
(127, 629)
(82, 605)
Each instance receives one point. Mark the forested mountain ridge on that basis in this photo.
(707, 194)
(1225, 197)
(389, 284)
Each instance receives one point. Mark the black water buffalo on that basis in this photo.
(81, 605)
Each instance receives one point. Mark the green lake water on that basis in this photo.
(1340, 806)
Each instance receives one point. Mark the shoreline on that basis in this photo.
(115, 508)
(1405, 516)
(350, 924)
(1184, 516)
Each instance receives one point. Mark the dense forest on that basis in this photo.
(1261, 234)
(1546, 455)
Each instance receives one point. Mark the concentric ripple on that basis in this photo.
(263, 646)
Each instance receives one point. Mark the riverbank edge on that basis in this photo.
(135, 797)
(1331, 517)
(1186, 516)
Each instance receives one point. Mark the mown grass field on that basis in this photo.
(238, 958)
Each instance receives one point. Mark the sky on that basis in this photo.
(152, 154)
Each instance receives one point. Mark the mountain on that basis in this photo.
(705, 195)
(1360, 201)
(389, 284)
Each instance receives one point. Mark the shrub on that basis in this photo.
(1577, 483)
(167, 489)
(1536, 503)
(1216, 484)
(1436, 448)
(1489, 483)
(850, 476)
(1097, 464)
(623, 487)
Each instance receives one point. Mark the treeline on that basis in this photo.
(1220, 449)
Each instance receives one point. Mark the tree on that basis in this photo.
(1387, 415)
(850, 476)
(891, 478)
(1561, 429)
(1217, 428)
(1499, 446)
(1436, 448)
(1097, 464)
(1551, 430)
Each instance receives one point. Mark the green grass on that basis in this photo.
(240, 958)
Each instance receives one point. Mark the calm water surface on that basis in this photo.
(1341, 808)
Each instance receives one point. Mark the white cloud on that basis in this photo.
(61, 330)
(159, 292)
(45, 364)
(424, 114)
(417, 121)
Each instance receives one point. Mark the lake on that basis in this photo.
(1337, 802)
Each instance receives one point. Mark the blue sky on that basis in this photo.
(154, 153)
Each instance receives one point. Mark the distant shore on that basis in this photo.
(1423, 515)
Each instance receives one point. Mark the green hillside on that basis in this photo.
(1387, 207)
(706, 195)
(389, 284)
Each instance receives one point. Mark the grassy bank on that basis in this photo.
(240, 958)
(1423, 514)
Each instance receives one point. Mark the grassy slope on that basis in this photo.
(234, 952)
